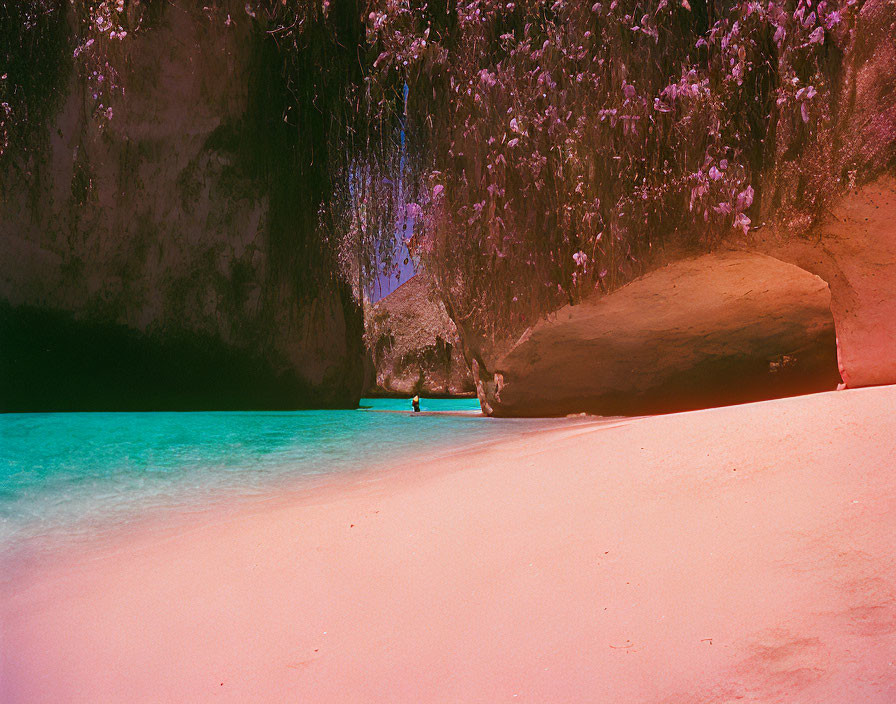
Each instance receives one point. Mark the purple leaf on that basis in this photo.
(742, 222)
(780, 34)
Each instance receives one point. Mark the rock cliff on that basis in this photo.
(414, 345)
(720, 328)
(644, 348)
(153, 261)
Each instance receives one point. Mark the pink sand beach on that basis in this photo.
(735, 554)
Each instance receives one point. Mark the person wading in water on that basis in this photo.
(415, 402)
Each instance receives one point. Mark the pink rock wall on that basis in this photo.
(854, 250)
(707, 331)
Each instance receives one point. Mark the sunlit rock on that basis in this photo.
(717, 329)
(854, 250)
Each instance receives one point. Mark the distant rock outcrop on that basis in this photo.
(713, 330)
(414, 345)
(161, 260)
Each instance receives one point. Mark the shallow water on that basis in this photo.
(67, 476)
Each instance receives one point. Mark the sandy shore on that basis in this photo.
(736, 554)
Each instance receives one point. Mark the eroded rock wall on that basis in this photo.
(848, 168)
(149, 235)
(620, 354)
(854, 250)
(708, 331)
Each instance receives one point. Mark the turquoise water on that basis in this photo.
(69, 475)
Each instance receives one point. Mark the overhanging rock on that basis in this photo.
(717, 329)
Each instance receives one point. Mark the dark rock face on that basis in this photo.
(50, 360)
(414, 345)
(713, 330)
(150, 236)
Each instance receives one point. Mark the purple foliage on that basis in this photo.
(543, 149)
(551, 127)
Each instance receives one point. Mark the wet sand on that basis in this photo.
(736, 554)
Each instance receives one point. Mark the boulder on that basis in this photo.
(414, 345)
(717, 329)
